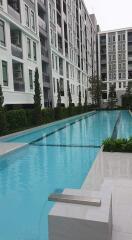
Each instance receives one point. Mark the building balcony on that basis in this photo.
(103, 61)
(104, 70)
(14, 14)
(129, 58)
(19, 85)
(42, 26)
(129, 48)
(46, 77)
(129, 67)
(16, 51)
(44, 53)
(42, 4)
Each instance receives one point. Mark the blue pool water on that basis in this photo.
(57, 157)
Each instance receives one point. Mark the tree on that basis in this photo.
(86, 99)
(37, 99)
(112, 96)
(127, 97)
(80, 99)
(95, 90)
(59, 95)
(3, 122)
(69, 95)
(1, 98)
(129, 89)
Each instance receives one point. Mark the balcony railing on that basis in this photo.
(61, 71)
(42, 3)
(19, 85)
(103, 70)
(129, 48)
(14, 14)
(44, 52)
(42, 24)
(46, 77)
(130, 67)
(16, 51)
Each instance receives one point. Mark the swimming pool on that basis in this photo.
(57, 157)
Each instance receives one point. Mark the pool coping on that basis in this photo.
(18, 145)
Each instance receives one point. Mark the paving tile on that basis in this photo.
(121, 236)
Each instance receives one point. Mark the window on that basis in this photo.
(31, 79)
(124, 47)
(29, 47)
(2, 33)
(119, 75)
(5, 73)
(27, 15)
(114, 57)
(54, 16)
(113, 38)
(34, 51)
(53, 64)
(1, 3)
(32, 21)
(113, 47)
(119, 38)
(120, 66)
(124, 84)
(123, 37)
(54, 85)
(50, 11)
(119, 84)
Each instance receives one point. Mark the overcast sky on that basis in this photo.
(111, 14)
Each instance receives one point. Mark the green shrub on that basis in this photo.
(16, 119)
(118, 145)
(3, 122)
(30, 117)
(48, 115)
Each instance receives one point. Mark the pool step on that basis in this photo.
(74, 199)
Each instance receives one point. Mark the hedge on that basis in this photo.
(118, 145)
(16, 120)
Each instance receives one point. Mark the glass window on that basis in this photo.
(119, 84)
(123, 37)
(5, 73)
(27, 15)
(31, 79)
(29, 47)
(34, 51)
(32, 21)
(119, 38)
(124, 84)
(2, 33)
(1, 3)
(119, 75)
(113, 38)
(54, 85)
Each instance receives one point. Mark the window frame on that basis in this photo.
(2, 24)
(7, 80)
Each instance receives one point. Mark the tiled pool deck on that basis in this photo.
(115, 169)
(9, 147)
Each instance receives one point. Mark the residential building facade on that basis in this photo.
(20, 51)
(58, 37)
(115, 61)
(72, 36)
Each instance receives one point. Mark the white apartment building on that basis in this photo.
(20, 51)
(58, 37)
(72, 36)
(115, 60)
